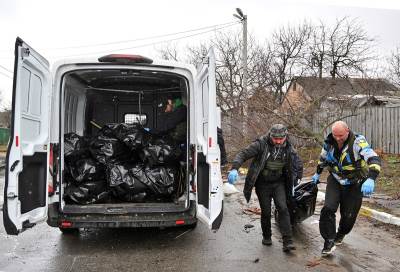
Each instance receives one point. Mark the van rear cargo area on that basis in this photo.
(124, 139)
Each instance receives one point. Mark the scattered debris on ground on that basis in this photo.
(248, 227)
(314, 262)
(252, 210)
(230, 189)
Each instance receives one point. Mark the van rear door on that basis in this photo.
(209, 180)
(25, 191)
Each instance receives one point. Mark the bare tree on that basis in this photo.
(316, 55)
(292, 52)
(335, 51)
(231, 93)
(233, 98)
(349, 47)
(338, 51)
(5, 112)
(287, 48)
(196, 53)
(394, 67)
(169, 52)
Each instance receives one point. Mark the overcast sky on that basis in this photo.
(48, 25)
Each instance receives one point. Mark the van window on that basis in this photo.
(25, 75)
(135, 118)
(31, 101)
(35, 95)
(31, 104)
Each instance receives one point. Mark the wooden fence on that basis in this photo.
(380, 125)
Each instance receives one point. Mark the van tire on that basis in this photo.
(69, 231)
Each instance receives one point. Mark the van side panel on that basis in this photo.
(74, 106)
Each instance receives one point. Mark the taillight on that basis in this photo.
(51, 161)
(51, 188)
(125, 59)
(65, 224)
(179, 222)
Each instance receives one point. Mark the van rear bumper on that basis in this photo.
(133, 220)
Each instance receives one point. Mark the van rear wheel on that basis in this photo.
(69, 231)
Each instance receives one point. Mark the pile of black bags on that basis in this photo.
(123, 162)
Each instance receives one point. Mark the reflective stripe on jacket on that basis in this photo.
(354, 162)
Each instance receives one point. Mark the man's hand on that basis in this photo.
(315, 178)
(368, 186)
(232, 176)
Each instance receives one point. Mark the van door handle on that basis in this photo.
(14, 165)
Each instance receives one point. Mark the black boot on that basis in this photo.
(267, 241)
(339, 239)
(329, 247)
(288, 245)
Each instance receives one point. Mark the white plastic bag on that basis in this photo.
(230, 189)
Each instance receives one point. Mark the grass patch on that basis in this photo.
(389, 179)
(376, 206)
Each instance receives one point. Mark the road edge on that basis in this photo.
(371, 213)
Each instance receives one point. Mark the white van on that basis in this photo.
(73, 97)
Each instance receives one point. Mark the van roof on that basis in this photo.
(94, 60)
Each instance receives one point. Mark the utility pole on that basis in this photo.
(243, 18)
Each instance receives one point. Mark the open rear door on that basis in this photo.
(25, 191)
(209, 180)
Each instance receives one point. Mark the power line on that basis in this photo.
(136, 40)
(1, 73)
(140, 39)
(6, 69)
(144, 45)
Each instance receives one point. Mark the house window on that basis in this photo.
(135, 118)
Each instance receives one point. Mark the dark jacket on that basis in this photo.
(260, 151)
(355, 161)
(170, 120)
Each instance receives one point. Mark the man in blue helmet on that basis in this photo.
(353, 168)
(275, 169)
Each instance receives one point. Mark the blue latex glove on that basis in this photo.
(315, 178)
(368, 186)
(232, 176)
